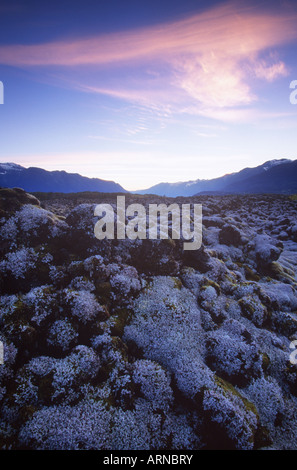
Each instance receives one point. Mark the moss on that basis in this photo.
(29, 337)
(265, 361)
(250, 274)
(177, 283)
(247, 308)
(120, 321)
(110, 402)
(11, 200)
(17, 323)
(76, 268)
(21, 312)
(209, 282)
(253, 309)
(119, 345)
(170, 242)
(280, 273)
(26, 412)
(228, 388)
(103, 291)
(169, 304)
(217, 435)
(262, 438)
(232, 280)
(45, 388)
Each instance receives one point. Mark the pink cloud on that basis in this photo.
(270, 72)
(206, 60)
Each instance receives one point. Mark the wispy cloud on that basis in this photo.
(206, 62)
(270, 72)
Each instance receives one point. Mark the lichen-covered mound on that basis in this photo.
(137, 344)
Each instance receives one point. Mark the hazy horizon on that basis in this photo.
(142, 94)
(158, 183)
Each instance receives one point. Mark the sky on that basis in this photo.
(143, 92)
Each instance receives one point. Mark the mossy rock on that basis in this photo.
(209, 282)
(231, 421)
(103, 292)
(276, 271)
(254, 310)
(45, 389)
(228, 388)
(250, 274)
(177, 283)
(12, 199)
(121, 319)
(265, 361)
(284, 323)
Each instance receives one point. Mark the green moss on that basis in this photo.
(217, 435)
(177, 283)
(250, 274)
(45, 388)
(121, 319)
(280, 273)
(210, 283)
(19, 316)
(171, 243)
(265, 361)
(103, 291)
(26, 412)
(262, 438)
(247, 308)
(228, 388)
(169, 304)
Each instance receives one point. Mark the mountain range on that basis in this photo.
(273, 176)
(39, 180)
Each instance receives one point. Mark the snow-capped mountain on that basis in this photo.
(37, 179)
(272, 163)
(6, 167)
(273, 176)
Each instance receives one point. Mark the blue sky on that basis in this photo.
(141, 92)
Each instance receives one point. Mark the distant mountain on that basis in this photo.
(274, 176)
(279, 178)
(39, 180)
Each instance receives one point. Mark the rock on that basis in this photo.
(166, 259)
(138, 344)
(198, 259)
(231, 420)
(232, 356)
(230, 235)
(254, 310)
(11, 200)
(265, 250)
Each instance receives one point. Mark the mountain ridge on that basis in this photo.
(277, 176)
(233, 182)
(35, 179)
